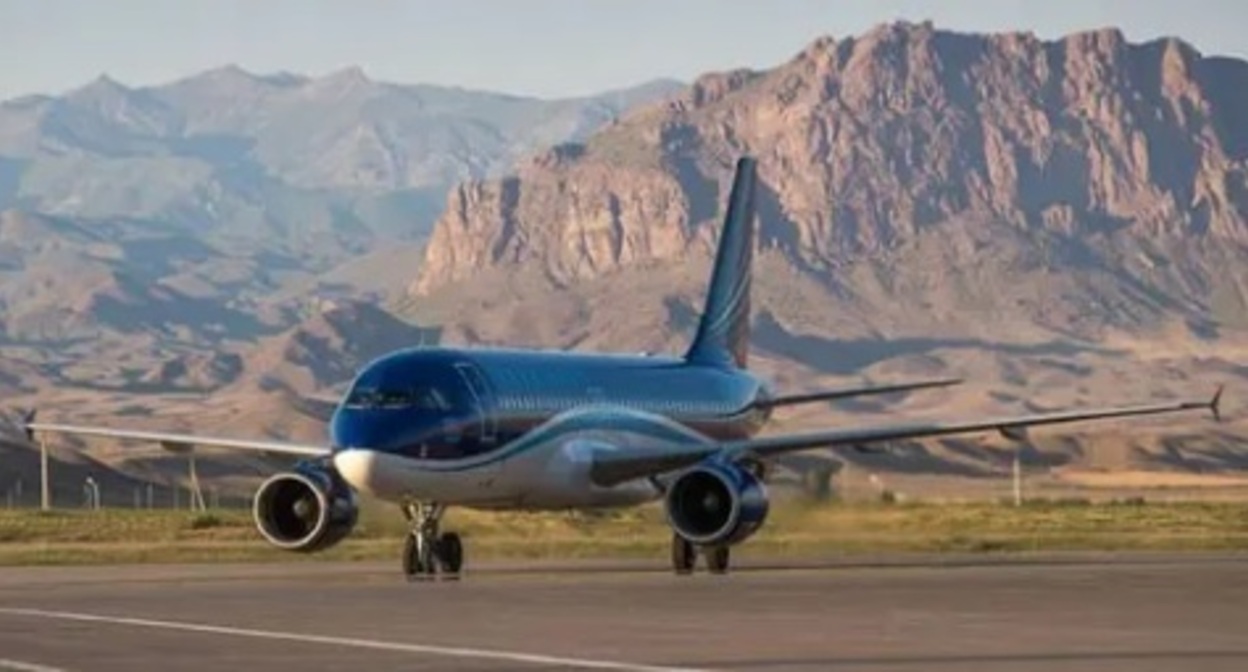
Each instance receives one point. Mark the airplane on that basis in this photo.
(432, 427)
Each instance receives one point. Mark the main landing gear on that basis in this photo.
(427, 553)
(685, 556)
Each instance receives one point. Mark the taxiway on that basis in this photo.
(1101, 613)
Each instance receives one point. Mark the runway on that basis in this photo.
(1065, 613)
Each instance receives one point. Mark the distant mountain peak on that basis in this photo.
(230, 71)
(103, 86)
(232, 76)
(1110, 36)
(902, 27)
(350, 76)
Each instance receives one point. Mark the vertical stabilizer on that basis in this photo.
(723, 336)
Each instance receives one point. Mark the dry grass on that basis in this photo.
(794, 529)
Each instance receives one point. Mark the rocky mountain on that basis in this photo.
(184, 220)
(919, 180)
(327, 348)
(284, 157)
(65, 278)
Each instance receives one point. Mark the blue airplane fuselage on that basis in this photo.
(449, 404)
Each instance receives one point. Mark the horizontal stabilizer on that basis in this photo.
(845, 393)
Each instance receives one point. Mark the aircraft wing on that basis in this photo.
(1008, 425)
(616, 468)
(173, 440)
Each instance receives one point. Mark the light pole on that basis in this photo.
(45, 496)
(1018, 476)
(93, 493)
(1018, 436)
(197, 495)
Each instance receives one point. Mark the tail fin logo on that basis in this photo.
(723, 336)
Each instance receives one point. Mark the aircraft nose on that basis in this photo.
(363, 470)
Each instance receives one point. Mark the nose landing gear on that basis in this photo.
(426, 551)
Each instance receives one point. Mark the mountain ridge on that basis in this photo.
(1116, 178)
(216, 146)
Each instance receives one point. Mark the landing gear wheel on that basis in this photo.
(425, 551)
(450, 552)
(416, 565)
(684, 555)
(717, 560)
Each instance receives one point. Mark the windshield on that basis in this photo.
(427, 398)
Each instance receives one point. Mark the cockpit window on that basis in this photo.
(427, 398)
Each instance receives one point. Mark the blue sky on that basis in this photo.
(537, 47)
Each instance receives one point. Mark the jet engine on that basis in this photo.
(717, 504)
(307, 509)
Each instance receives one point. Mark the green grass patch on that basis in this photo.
(793, 529)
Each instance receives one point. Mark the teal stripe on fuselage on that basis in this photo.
(581, 420)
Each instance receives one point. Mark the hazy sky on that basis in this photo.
(540, 47)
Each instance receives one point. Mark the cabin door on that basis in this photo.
(486, 430)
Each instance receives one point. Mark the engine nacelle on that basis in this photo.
(717, 504)
(308, 509)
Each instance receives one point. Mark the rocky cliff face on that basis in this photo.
(1074, 183)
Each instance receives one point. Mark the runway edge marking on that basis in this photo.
(19, 666)
(399, 647)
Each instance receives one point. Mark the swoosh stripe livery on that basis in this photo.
(589, 418)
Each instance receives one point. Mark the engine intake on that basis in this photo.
(717, 504)
(308, 509)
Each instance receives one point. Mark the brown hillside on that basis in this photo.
(1074, 185)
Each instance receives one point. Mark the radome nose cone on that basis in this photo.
(361, 469)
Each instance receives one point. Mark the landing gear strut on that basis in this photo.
(427, 552)
(685, 556)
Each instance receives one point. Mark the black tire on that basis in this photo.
(450, 552)
(717, 560)
(684, 555)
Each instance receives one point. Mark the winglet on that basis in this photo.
(1214, 405)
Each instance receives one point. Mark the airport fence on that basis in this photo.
(91, 494)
